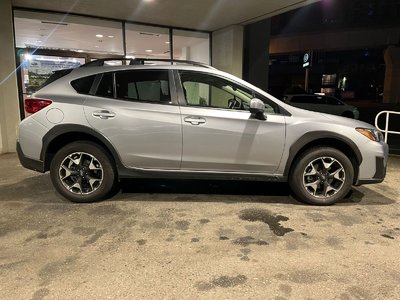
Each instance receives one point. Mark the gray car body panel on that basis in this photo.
(155, 138)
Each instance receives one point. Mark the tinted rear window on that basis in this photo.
(143, 85)
(84, 84)
(106, 86)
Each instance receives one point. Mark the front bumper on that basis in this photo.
(29, 163)
(380, 173)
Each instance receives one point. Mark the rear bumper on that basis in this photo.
(29, 163)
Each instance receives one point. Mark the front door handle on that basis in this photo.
(103, 114)
(194, 120)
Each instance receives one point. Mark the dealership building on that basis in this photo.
(39, 37)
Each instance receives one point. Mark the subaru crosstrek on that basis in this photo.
(94, 125)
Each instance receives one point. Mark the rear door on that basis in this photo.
(137, 111)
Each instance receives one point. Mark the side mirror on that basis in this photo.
(257, 109)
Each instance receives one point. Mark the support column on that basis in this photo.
(9, 106)
(391, 93)
(227, 50)
(256, 53)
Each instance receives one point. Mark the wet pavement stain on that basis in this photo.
(52, 270)
(204, 221)
(98, 234)
(223, 282)
(40, 294)
(182, 225)
(262, 215)
(44, 235)
(223, 238)
(387, 236)
(249, 240)
(84, 231)
(170, 238)
(244, 256)
(141, 242)
(195, 240)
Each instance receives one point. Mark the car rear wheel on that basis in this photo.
(82, 172)
(321, 176)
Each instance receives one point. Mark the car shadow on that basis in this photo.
(38, 189)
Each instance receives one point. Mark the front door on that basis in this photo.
(219, 133)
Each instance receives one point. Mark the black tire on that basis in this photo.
(313, 189)
(91, 180)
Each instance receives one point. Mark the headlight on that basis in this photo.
(373, 134)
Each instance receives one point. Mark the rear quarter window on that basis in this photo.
(84, 84)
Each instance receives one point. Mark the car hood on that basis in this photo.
(327, 118)
(346, 121)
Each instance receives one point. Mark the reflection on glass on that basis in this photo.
(191, 45)
(60, 32)
(36, 69)
(147, 41)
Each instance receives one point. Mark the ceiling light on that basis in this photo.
(79, 51)
(130, 56)
(111, 36)
(96, 46)
(99, 35)
(167, 42)
(149, 50)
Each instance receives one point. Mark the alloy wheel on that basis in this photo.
(81, 173)
(324, 177)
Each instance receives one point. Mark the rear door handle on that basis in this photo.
(104, 114)
(194, 120)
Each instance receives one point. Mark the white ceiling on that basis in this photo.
(209, 15)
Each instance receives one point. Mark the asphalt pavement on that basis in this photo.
(196, 240)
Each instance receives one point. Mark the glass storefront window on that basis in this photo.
(191, 45)
(74, 33)
(36, 69)
(147, 41)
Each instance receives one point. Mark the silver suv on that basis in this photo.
(96, 124)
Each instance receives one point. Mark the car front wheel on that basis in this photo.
(82, 172)
(321, 176)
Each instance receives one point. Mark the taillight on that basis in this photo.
(33, 105)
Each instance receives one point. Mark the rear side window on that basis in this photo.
(143, 85)
(84, 84)
(106, 86)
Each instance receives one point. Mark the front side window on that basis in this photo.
(201, 89)
(143, 85)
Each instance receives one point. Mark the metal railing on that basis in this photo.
(386, 130)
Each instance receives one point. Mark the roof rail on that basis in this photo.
(142, 61)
